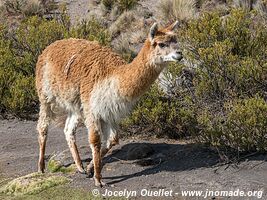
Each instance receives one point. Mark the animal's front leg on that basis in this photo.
(95, 144)
(109, 139)
(90, 167)
(104, 150)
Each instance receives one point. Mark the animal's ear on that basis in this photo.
(153, 31)
(173, 26)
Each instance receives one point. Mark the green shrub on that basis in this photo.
(242, 127)
(22, 96)
(91, 30)
(20, 50)
(31, 37)
(231, 56)
(231, 73)
(247, 122)
(6, 79)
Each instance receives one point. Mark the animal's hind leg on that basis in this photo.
(69, 130)
(42, 128)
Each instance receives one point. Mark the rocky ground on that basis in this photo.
(134, 164)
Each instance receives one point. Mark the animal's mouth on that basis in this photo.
(173, 58)
(177, 58)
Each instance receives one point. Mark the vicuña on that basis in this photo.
(95, 86)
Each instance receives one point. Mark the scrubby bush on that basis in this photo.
(123, 5)
(222, 102)
(126, 4)
(19, 50)
(22, 96)
(230, 80)
(108, 3)
(158, 114)
(91, 30)
(28, 7)
(231, 55)
(242, 126)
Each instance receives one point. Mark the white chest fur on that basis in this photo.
(107, 104)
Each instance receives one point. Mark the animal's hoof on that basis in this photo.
(90, 171)
(90, 174)
(100, 183)
(81, 171)
(41, 171)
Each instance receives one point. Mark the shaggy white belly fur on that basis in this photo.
(107, 104)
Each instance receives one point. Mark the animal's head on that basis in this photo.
(164, 45)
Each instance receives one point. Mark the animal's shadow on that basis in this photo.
(157, 157)
(165, 157)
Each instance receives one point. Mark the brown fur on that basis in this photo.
(92, 61)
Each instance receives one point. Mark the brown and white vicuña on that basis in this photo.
(95, 86)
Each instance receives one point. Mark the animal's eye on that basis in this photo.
(174, 40)
(162, 45)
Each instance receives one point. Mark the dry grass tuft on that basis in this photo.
(245, 4)
(129, 31)
(123, 23)
(182, 10)
(261, 7)
(123, 47)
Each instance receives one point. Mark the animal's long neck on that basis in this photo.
(139, 75)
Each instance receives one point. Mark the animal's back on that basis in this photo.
(68, 69)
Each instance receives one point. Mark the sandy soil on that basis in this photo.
(169, 165)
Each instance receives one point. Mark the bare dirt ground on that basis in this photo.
(169, 165)
(166, 164)
(79, 9)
